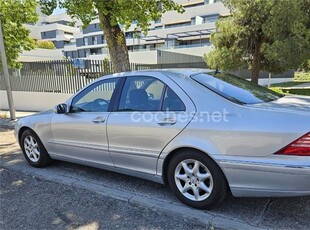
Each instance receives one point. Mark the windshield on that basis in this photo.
(235, 88)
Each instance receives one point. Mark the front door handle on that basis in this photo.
(167, 121)
(98, 120)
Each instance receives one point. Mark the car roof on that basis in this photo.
(180, 72)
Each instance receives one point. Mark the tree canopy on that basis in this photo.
(13, 14)
(268, 35)
(112, 14)
(45, 44)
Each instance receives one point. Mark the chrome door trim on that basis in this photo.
(80, 145)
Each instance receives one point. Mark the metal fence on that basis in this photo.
(61, 76)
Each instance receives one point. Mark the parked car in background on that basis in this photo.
(204, 133)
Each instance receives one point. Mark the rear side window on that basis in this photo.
(236, 89)
(141, 94)
(172, 102)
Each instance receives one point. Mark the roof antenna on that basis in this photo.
(217, 70)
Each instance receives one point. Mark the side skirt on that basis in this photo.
(133, 173)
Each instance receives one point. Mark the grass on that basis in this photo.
(288, 87)
(287, 84)
(4, 115)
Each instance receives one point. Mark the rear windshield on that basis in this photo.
(235, 88)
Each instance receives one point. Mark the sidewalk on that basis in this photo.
(6, 122)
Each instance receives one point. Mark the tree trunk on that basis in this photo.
(256, 62)
(116, 44)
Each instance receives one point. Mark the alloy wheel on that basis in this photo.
(193, 179)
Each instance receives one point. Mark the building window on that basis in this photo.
(210, 18)
(85, 41)
(178, 25)
(129, 34)
(94, 41)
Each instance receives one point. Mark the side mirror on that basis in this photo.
(61, 109)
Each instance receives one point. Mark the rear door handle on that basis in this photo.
(98, 120)
(167, 121)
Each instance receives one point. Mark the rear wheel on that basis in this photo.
(33, 149)
(196, 179)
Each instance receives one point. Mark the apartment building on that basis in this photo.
(60, 29)
(187, 33)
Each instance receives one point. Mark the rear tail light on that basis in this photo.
(300, 147)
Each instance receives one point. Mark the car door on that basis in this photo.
(81, 133)
(145, 120)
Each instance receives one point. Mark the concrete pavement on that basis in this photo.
(6, 122)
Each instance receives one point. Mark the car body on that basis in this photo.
(134, 132)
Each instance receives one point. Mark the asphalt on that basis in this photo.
(234, 213)
(29, 202)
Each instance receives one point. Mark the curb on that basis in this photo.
(210, 220)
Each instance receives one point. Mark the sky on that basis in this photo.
(58, 11)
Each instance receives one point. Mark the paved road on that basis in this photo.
(276, 213)
(31, 203)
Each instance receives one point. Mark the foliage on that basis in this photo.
(45, 44)
(305, 66)
(123, 12)
(286, 84)
(112, 14)
(302, 76)
(13, 14)
(268, 35)
(304, 92)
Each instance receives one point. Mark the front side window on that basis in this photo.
(95, 98)
(141, 94)
(236, 89)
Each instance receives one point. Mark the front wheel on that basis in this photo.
(196, 179)
(33, 149)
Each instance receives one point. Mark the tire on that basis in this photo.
(33, 149)
(202, 181)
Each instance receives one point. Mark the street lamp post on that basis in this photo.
(6, 75)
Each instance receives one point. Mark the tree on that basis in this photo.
(45, 44)
(13, 14)
(112, 14)
(268, 35)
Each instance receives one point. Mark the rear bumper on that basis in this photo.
(287, 177)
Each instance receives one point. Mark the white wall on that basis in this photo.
(40, 55)
(196, 51)
(141, 57)
(33, 101)
(265, 81)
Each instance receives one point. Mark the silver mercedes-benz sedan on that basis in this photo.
(204, 133)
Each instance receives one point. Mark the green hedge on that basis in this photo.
(304, 92)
